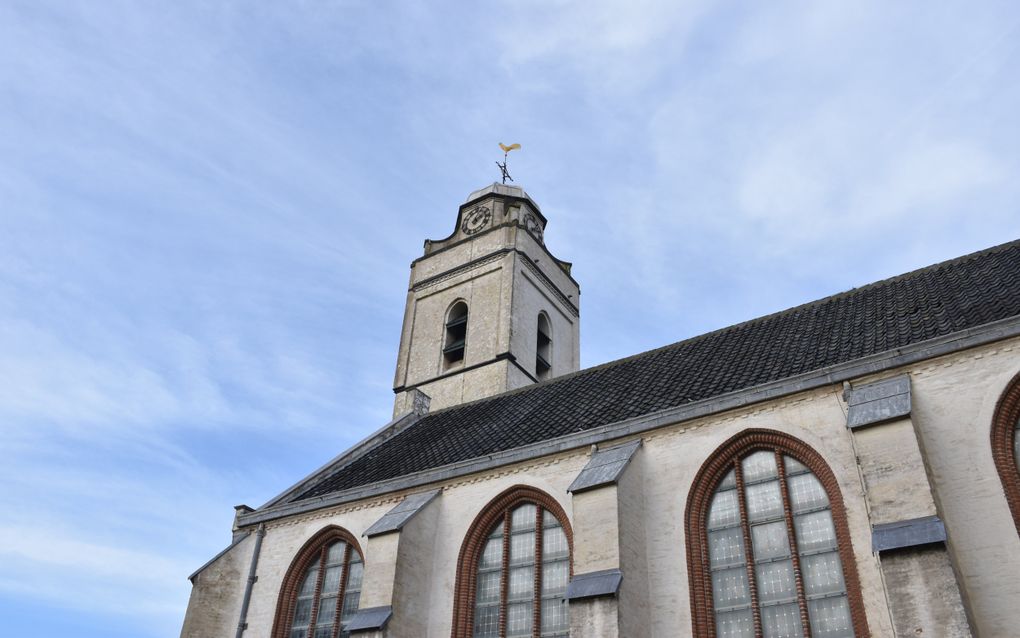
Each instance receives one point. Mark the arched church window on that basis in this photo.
(543, 348)
(1006, 445)
(514, 568)
(456, 334)
(322, 588)
(768, 546)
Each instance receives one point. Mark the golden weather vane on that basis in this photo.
(506, 152)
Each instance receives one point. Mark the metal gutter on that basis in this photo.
(834, 374)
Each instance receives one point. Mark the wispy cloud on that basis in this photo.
(208, 211)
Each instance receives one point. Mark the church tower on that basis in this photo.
(489, 308)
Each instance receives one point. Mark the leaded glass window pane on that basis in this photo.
(356, 574)
(815, 531)
(793, 466)
(554, 543)
(731, 588)
(488, 587)
(327, 611)
(822, 574)
(335, 554)
(770, 541)
(830, 618)
(331, 582)
(555, 577)
(806, 493)
(522, 583)
(734, 624)
(522, 548)
(487, 622)
(351, 600)
(522, 518)
(764, 501)
(302, 612)
(492, 555)
(724, 511)
(518, 619)
(308, 584)
(775, 582)
(781, 621)
(759, 466)
(726, 547)
(555, 619)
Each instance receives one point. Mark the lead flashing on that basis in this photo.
(370, 618)
(878, 402)
(595, 584)
(395, 519)
(910, 533)
(835, 374)
(605, 467)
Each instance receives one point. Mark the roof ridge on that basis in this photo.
(705, 335)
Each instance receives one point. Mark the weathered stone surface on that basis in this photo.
(923, 595)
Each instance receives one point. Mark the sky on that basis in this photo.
(208, 210)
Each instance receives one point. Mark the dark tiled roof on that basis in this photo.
(927, 303)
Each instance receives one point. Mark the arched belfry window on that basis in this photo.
(322, 588)
(768, 548)
(543, 348)
(456, 334)
(1006, 445)
(513, 569)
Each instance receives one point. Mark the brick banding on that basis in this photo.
(728, 457)
(1007, 412)
(312, 551)
(474, 542)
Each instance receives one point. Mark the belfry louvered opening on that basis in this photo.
(543, 348)
(456, 335)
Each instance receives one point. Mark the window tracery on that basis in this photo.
(322, 588)
(514, 569)
(768, 548)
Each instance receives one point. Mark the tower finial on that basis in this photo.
(502, 167)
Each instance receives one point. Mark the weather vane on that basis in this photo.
(502, 167)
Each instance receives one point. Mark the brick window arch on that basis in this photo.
(513, 569)
(768, 549)
(322, 587)
(1006, 445)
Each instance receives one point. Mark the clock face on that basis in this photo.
(533, 226)
(475, 220)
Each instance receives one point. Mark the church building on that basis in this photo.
(844, 468)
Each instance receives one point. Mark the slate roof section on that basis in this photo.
(924, 304)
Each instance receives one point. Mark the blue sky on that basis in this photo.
(207, 212)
